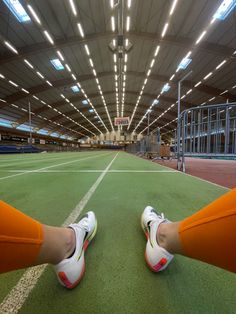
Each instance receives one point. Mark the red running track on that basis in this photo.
(222, 172)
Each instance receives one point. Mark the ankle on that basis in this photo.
(70, 242)
(168, 237)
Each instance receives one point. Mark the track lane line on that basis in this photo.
(57, 165)
(15, 299)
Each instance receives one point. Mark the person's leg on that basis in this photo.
(209, 235)
(26, 242)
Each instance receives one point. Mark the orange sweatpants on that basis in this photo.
(20, 239)
(210, 234)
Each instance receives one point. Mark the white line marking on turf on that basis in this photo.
(45, 168)
(89, 171)
(18, 295)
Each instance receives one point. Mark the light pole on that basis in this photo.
(179, 124)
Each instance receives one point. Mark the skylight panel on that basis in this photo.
(75, 89)
(91, 110)
(184, 63)
(225, 9)
(165, 88)
(84, 102)
(17, 10)
(57, 64)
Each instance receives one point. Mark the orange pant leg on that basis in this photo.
(210, 234)
(20, 239)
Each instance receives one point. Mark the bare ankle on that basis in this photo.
(168, 237)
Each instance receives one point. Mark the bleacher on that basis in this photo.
(16, 149)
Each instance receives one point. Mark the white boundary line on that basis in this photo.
(91, 171)
(15, 299)
(45, 168)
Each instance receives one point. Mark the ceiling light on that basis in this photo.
(152, 63)
(49, 38)
(115, 58)
(50, 84)
(173, 6)
(2, 100)
(172, 77)
(129, 4)
(125, 68)
(68, 68)
(112, 3)
(57, 64)
(126, 57)
(115, 68)
(17, 10)
(113, 23)
(211, 99)
(25, 91)
(196, 85)
(75, 89)
(200, 37)
(220, 65)
(80, 30)
(60, 55)
(155, 102)
(224, 9)
(34, 14)
(156, 51)
(2, 76)
(189, 91)
(35, 97)
(91, 62)
(127, 23)
(87, 50)
(164, 30)
(149, 71)
(208, 75)
(12, 83)
(94, 72)
(73, 76)
(10, 47)
(40, 74)
(73, 7)
(114, 42)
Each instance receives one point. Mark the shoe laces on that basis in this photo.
(83, 224)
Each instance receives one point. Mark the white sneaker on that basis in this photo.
(71, 270)
(157, 257)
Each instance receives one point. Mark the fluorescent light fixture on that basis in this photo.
(74, 77)
(173, 6)
(211, 99)
(75, 89)
(164, 30)
(149, 71)
(85, 102)
(115, 68)
(13, 83)
(126, 57)
(49, 37)
(60, 55)
(2, 76)
(87, 50)
(184, 63)
(57, 64)
(25, 91)
(17, 10)
(94, 72)
(115, 57)
(172, 77)
(2, 100)
(200, 37)
(113, 23)
(50, 84)
(224, 9)
(156, 51)
(165, 88)
(126, 42)
(40, 74)
(129, 4)
(68, 68)
(196, 85)
(91, 62)
(10, 47)
(208, 75)
(189, 91)
(112, 3)
(80, 30)
(34, 14)
(73, 8)
(28, 63)
(152, 63)
(220, 65)
(35, 97)
(127, 23)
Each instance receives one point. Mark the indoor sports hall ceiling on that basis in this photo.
(122, 58)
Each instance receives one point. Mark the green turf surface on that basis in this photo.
(116, 279)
